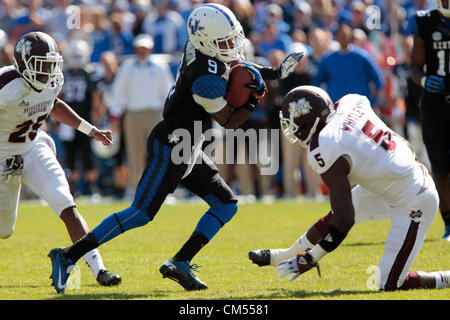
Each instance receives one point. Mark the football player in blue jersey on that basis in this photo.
(431, 51)
(216, 40)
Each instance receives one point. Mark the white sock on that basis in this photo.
(299, 246)
(94, 261)
(442, 279)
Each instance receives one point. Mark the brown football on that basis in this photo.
(237, 93)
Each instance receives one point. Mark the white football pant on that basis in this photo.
(409, 225)
(43, 174)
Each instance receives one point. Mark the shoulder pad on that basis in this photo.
(323, 151)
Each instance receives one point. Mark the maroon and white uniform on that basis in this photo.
(388, 182)
(23, 110)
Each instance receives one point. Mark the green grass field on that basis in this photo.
(224, 265)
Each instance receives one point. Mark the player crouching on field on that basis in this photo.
(28, 95)
(348, 145)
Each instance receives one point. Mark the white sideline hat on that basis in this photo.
(143, 40)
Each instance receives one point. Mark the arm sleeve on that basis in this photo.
(209, 91)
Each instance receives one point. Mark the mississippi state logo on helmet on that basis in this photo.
(38, 61)
(304, 110)
(214, 30)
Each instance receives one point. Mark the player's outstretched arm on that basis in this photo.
(64, 114)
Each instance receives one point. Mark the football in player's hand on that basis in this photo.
(237, 93)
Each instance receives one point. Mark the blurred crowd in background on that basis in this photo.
(351, 46)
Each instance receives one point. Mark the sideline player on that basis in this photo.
(215, 40)
(77, 92)
(348, 145)
(28, 94)
(431, 31)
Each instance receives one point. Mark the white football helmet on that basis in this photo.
(77, 54)
(214, 30)
(445, 11)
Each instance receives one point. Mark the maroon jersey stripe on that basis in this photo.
(402, 257)
(7, 77)
(314, 143)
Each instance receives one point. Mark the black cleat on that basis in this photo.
(261, 257)
(108, 279)
(181, 272)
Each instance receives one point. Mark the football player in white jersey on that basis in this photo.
(372, 174)
(28, 95)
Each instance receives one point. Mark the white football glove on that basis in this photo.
(297, 266)
(289, 63)
(287, 267)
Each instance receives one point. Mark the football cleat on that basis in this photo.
(181, 272)
(108, 279)
(446, 236)
(61, 268)
(261, 257)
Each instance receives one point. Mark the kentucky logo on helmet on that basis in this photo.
(299, 107)
(23, 46)
(195, 26)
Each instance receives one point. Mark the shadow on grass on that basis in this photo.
(364, 244)
(152, 294)
(302, 294)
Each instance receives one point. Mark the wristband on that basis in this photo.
(423, 80)
(87, 128)
(332, 239)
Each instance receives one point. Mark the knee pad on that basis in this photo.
(224, 213)
(132, 218)
(213, 220)
(120, 222)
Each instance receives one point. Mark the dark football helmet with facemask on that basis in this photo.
(37, 59)
(305, 110)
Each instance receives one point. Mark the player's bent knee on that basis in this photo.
(132, 218)
(226, 212)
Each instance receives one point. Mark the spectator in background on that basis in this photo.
(141, 11)
(102, 101)
(121, 8)
(121, 41)
(302, 16)
(275, 16)
(100, 37)
(7, 15)
(295, 164)
(272, 38)
(358, 16)
(349, 70)
(6, 50)
(320, 42)
(77, 90)
(140, 90)
(33, 18)
(57, 24)
(166, 27)
(410, 93)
